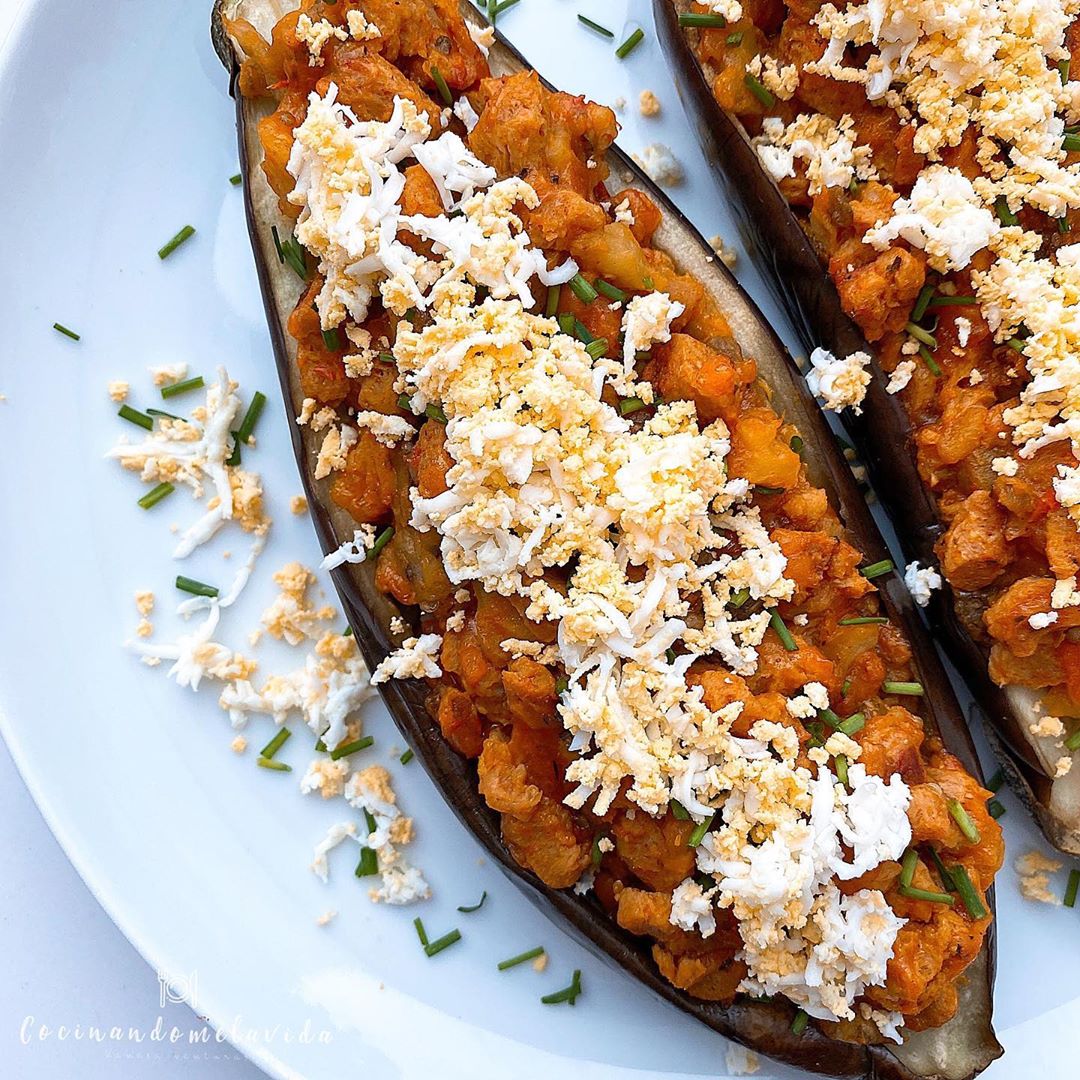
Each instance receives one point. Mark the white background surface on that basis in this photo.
(68, 964)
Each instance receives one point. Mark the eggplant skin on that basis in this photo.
(954, 1052)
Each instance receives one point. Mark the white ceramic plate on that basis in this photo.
(116, 130)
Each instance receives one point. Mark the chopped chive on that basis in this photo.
(758, 89)
(404, 402)
(569, 994)
(1016, 344)
(610, 291)
(678, 811)
(505, 5)
(929, 361)
(407, 756)
(971, 899)
(269, 763)
(1004, 214)
(251, 417)
(562, 684)
(196, 588)
(630, 44)
(552, 306)
(1072, 888)
(943, 873)
(1073, 741)
(61, 329)
(435, 412)
(133, 416)
(995, 809)
(435, 947)
(853, 724)
(421, 933)
(582, 289)
(922, 302)
(903, 689)
(735, 39)
(670, 655)
(277, 243)
(1063, 70)
(182, 387)
(368, 864)
(963, 819)
(380, 542)
(782, 632)
(234, 458)
(236, 180)
(840, 763)
(693, 18)
(907, 867)
(952, 301)
(586, 21)
(162, 413)
(830, 718)
(596, 856)
(597, 348)
(289, 251)
(566, 323)
(797, 444)
(186, 233)
(764, 489)
(798, 1025)
(864, 620)
(440, 85)
(155, 495)
(331, 339)
(739, 597)
(926, 894)
(351, 748)
(919, 334)
(884, 566)
(629, 406)
(1063, 225)
(845, 687)
(276, 743)
(700, 829)
(1070, 143)
(521, 958)
(995, 781)
(347, 632)
(468, 909)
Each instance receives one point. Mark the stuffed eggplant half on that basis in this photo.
(618, 592)
(943, 236)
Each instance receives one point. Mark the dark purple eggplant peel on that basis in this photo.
(958, 1050)
(882, 434)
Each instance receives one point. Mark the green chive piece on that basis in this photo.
(331, 339)
(277, 243)
(186, 233)
(1004, 214)
(1063, 70)
(995, 809)
(236, 180)
(922, 302)
(739, 597)
(440, 85)
(234, 458)
(840, 763)
(569, 994)
(406, 758)
(630, 44)
(907, 867)
(275, 766)
(678, 811)
(1072, 888)
(421, 933)
(435, 947)
(610, 291)
(586, 21)
(995, 781)
(758, 89)
(291, 252)
(1071, 143)
(1063, 225)
(276, 743)
(782, 632)
(368, 864)
(468, 909)
(597, 348)
(352, 747)
(347, 632)
(863, 620)
(1073, 741)
(566, 324)
(61, 329)
(830, 718)
(904, 689)
(251, 417)
(182, 387)
(952, 301)
(551, 308)
(629, 406)
(919, 334)
(845, 687)
(963, 819)
(925, 894)
(582, 289)
(380, 542)
(764, 489)
(404, 402)
(133, 416)
(1016, 344)
(943, 873)
(196, 588)
(155, 495)
(162, 413)
(929, 361)
(505, 5)
(853, 724)
(693, 18)
(798, 1025)
(971, 899)
(562, 684)
(797, 444)
(735, 39)
(700, 829)
(521, 958)
(876, 569)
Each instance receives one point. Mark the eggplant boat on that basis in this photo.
(618, 591)
(942, 245)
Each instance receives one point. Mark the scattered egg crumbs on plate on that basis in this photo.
(921, 582)
(119, 390)
(648, 103)
(1034, 869)
(298, 504)
(840, 383)
(740, 1061)
(661, 165)
(724, 253)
